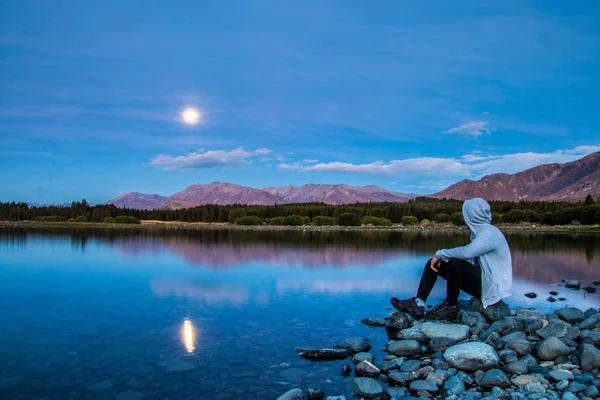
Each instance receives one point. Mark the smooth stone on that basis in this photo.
(402, 378)
(531, 295)
(589, 322)
(576, 387)
(358, 357)
(591, 391)
(551, 348)
(404, 348)
(537, 369)
(572, 284)
(441, 343)
(324, 354)
(294, 394)
(562, 385)
(529, 360)
(396, 322)
(523, 380)
(388, 365)
(554, 329)
(354, 344)
(469, 318)
(560, 375)
(494, 377)
(570, 315)
(366, 369)
(590, 312)
(427, 385)
(511, 337)
(471, 356)
(454, 386)
(535, 387)
(412, 333)
(451, 331)
(346, 370)
(374, 321)
(367, 387)
(589, 356)
(528, 313)
(496, 312)
(522, 347)
(569, 396)
(410, 366)
(516, 367)
(436, 376)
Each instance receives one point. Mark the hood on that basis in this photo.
(477, 214)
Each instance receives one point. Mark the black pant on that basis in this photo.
(460, 275)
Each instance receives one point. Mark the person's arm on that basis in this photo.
(483, 243)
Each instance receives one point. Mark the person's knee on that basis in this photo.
(453, 264)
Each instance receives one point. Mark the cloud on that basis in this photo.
(475, 129)
(310, 161)
(206, 159)
(476, 157)
(392, 182)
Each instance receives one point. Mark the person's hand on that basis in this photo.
(435, 263)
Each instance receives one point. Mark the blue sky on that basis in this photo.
(407, 95)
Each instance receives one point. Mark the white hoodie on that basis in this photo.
(489, 246)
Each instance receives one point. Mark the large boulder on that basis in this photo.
(472, 356)
(404, 348)
(492, 313)
(451, 331)
(570, 315)
(551, 348)
(294, 394)
(368, 388)
(589, 356)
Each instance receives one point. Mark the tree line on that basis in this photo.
(418, 210)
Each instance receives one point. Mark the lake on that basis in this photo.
(216, 314)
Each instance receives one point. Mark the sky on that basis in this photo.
(407, 95)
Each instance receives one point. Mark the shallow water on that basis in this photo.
(101, 314)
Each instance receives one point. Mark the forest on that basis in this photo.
(419, 210)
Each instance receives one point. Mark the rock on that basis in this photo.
(590, 312)
(365, 368)
(589, 322)
(572, 284)
(396, 322)
(562, 299)
(590, 289)
(368, 388)
(551, 299)
(560, 375)
(592, 392)
(569, 396)
(437, 377)
(529, 360)
(404, 348)
(388, 365)
(531, 295)
(471, 356)
(570, 315)
(413, 333)
(441, 343)
(555, 329)
(516, 367)
(523, 380)
(528, 313)
(562, 385)
(554, 293)
(589, 357)
(522, 347)
(551, 348)
(451, 331)
(494, 377)
(410, 366)
(336, 398)
(454, 386)
(576, 387)
(346, 370)
(355, 345)
(294, 394)
(496, 312)
(315, 394)
(469, 318)
(426, 385)
(358, 357)
(374, 321)
(511, 337)
(324, 354)
(535, 387)
(402, 378)
(439, 363)
(572, 332)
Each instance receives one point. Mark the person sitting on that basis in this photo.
(482, 269)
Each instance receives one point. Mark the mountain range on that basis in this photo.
(570, 181)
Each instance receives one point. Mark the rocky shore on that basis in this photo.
(493, 353)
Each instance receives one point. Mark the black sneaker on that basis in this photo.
(408, 306)
(443, 311)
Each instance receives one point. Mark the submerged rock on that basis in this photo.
(531, 295)
(346, 370)
(471, 356)
(354, 344)
(324, 354)
(368, 388)
(294, 394)
(573, 284)
(365, 368)
(373, 321)
(358, 357)
(315, 394)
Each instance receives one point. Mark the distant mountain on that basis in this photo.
(337, 194)
(51, 205)
(569, 181)
(222, 194)
(138, 201)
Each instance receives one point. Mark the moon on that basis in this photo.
(191, 116)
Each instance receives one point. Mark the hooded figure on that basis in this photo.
(483, 268)
(488, 248)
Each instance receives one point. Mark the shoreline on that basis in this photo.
(150, 225)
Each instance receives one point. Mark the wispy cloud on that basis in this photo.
(206, 159)
(474, 128)
(310, 161)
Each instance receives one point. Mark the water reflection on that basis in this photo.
(188, 335)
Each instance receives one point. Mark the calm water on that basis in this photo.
(99, 314)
